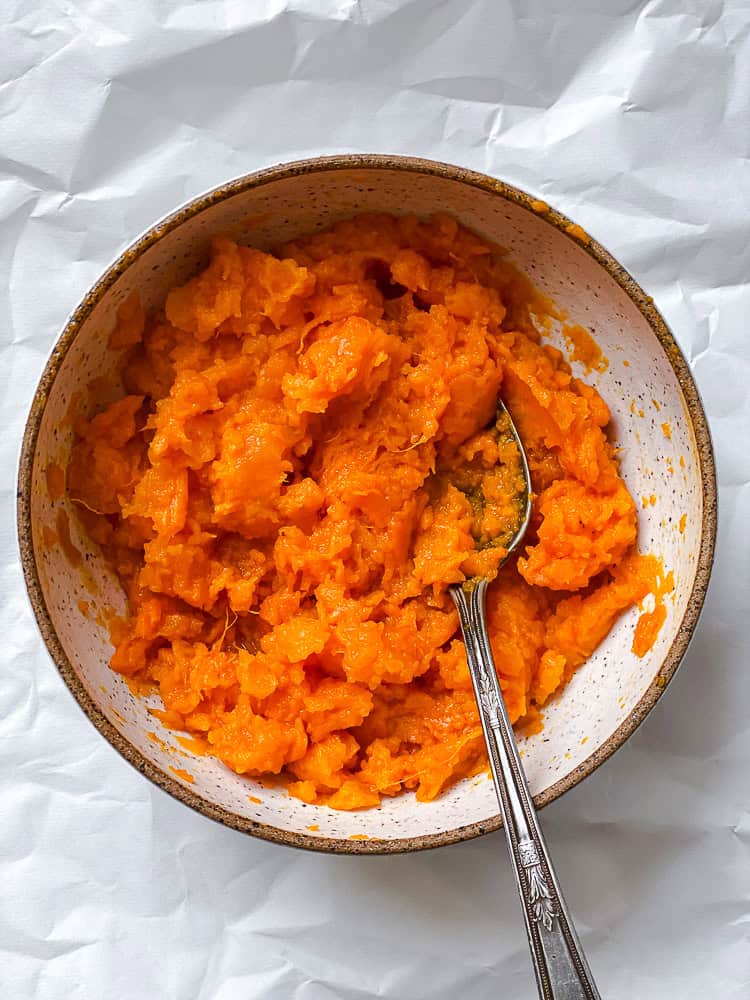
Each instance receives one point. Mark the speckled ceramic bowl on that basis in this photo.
(647, 385)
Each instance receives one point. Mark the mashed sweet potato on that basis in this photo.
(276, 491)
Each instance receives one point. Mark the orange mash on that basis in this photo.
(266, 491)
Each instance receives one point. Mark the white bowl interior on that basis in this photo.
(604, 691)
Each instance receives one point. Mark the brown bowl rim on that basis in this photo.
(540, 209)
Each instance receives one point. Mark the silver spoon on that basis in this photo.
(562, 972)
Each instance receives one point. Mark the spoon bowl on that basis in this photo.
(508, 526)
(560, 966)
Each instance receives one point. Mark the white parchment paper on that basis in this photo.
(632, 117)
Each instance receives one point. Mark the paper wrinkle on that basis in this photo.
(630, 116)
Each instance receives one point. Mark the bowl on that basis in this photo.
(647, 385)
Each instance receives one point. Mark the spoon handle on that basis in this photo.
(561, 969)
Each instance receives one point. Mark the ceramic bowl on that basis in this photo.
(647, 384)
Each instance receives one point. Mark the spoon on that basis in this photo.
(562, 972)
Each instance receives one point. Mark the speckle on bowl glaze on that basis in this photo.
(609, 695)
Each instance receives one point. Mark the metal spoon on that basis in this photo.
(562, 972)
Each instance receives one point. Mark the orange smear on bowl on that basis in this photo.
(50, 537)
(185, 775)
(650, 622)
(55, 476)
(195, 745)
(62, 526)
(584, 349)
(579, 232)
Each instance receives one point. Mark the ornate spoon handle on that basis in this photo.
(559, 963)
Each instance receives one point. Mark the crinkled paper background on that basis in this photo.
(632, 117)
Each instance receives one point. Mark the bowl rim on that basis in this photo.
(541, 210)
